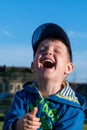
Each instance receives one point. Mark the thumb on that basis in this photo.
(34, 111)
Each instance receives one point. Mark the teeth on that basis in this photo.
(48, 60)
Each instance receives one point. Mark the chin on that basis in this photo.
(46, 75)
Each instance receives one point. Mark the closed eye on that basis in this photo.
(56, 50)
(43, 49)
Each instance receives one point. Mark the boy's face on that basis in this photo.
(51, 60)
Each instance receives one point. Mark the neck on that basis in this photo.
(48, 88)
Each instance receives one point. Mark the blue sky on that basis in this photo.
(19, 18)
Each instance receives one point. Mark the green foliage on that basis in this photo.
(1, 114)
(12, 70)
(85, 127)
(1, 125)
(17, 74)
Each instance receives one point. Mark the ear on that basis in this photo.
(69, 68)
(32, 67)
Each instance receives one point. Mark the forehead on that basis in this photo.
(52, 42)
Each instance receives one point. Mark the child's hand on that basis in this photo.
(29, 121)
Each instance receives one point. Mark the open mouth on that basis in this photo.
(48, 64)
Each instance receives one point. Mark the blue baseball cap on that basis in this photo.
(50, 30)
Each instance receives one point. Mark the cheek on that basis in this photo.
(61, 65)
(35, 64)
(61, 61)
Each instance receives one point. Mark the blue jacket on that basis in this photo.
(62, 111)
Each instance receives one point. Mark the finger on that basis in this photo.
(29, 116)
(35, 119)
(34, 111)
(31, 124)
(34, 123)
(27, 124)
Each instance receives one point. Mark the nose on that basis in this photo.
(49, 51)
